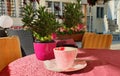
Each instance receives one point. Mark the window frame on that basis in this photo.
(99, 12)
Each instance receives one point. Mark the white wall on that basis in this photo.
(114, 11)
(118, 15)
(111, 10)
(98, 23)
(17, 22)
(42, 2)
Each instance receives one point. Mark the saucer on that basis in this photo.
(78, 65)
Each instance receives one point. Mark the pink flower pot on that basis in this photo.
(44, 51)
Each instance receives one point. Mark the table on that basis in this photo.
(99, 63)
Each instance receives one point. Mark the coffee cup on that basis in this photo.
(65, 56)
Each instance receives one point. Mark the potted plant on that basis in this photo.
(72, 26)
(42, 24)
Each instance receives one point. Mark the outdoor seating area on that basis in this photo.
(18, 62)
(59, 38)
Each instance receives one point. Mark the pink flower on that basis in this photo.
(72, 28)
(62, 29)
(80, 26)
(66, 30)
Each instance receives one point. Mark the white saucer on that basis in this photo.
(78, 65)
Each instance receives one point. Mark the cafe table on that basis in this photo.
(100, 62)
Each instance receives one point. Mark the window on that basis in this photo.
(23, 3)
(2, 7)
(55, 7)
(7, 7)
(21, 8)
(100, 12)
(90, 23)
(11, 8)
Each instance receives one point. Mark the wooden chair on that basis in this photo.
(9, 50)
(98, 41)
(86, 35)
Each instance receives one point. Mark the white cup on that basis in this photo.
(65, 56)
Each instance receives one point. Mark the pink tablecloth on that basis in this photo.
(100, 63)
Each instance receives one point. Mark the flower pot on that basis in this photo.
(44, 51)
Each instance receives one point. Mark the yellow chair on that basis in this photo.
(9, 50)
(86, 35)
(98, 41)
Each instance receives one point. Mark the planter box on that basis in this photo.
(76, 37)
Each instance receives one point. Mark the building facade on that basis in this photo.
(104, 18)
(101, 18)
(13, 8)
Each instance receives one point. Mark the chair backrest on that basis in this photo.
(86, 35)
(98, 41)
(9, 50)
(26, 40)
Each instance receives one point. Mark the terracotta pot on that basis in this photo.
(76, 37)
(44, 51)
